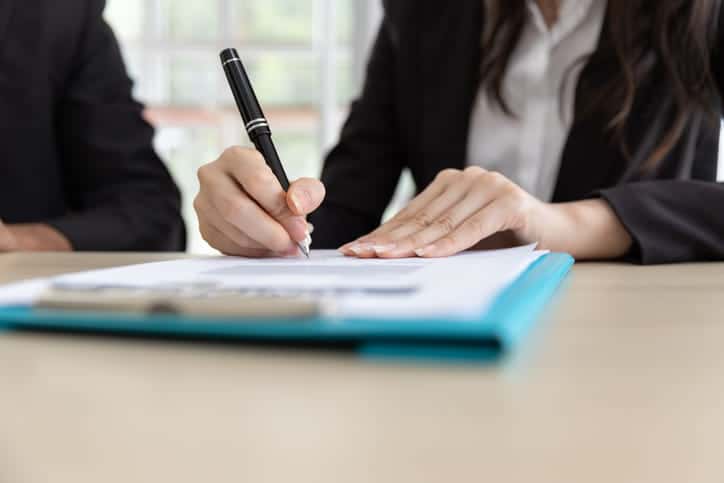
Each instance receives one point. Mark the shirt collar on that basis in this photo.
(571, 15)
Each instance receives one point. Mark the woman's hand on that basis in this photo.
(8, 242)
(32, 237)
(243, 210)
(457, 211)
(461, 209)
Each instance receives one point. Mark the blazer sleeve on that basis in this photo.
(676, 220)
(363, 170)
(122, 197)
(671, 221)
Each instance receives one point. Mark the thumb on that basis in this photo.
(305, 195)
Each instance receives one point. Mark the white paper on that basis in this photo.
(462, 285)
(22, 293)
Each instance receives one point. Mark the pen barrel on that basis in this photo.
(266, 147)
(251, 112)
(256, 124)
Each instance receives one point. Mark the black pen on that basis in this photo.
(255, 122)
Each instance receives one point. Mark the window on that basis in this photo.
(306, 58)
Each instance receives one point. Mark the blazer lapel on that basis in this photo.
(590, 159)
(450, 39)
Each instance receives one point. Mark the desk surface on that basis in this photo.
(622, 382)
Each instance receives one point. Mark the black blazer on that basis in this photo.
(75, 151)
(415, 109)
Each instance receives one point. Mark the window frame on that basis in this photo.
(154, 43)
(153, 49)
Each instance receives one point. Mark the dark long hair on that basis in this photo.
(680, 34)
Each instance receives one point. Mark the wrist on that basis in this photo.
(588, 230)
(539, 225)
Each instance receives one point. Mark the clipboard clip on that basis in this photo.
(150, 303)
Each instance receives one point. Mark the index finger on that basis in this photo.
(361, 247)
(259, 182)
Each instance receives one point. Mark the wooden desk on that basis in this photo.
(623, 382)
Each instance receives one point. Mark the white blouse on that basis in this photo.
(540, 88)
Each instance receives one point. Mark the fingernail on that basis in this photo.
(421, 252)
(348, 246)
(361, 248)
(310, 228)
(380, 249)
(296, 202)
(301, 199)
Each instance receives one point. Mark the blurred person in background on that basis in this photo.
(587, 126)
(77, 167)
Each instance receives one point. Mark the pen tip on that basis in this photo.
(304, 249)
(305, 246)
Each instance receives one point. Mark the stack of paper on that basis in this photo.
(462, 285)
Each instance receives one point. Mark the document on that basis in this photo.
(462, 285)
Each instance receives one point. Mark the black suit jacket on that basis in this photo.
(415, 109)
(75, 151)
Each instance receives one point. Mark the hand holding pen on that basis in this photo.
(246, 206)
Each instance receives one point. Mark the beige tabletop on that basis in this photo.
(623, 381)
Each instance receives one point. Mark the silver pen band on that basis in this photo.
(233, 59)
(255, 124)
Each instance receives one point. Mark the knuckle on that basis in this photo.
(421, 221)
(518, 197)
(447, 174)
(278, 208)
(474, 171)
(382, 239)
(260, 178)
(447, 244)
(477, 226)
(258, 182)
(203, 174)
(197, 204)
(419, 239)
(496, 179)
(489, 180)
(388, 241)
(414, 240)
(446, 224)
(231, 209)
(400, 218)
(235, 153)
(255, 157)
(395, 224)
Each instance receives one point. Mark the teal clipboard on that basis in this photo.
(485, 338)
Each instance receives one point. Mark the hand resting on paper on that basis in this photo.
(462, 209)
